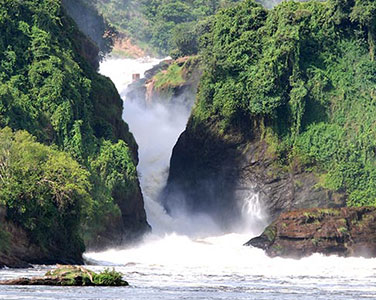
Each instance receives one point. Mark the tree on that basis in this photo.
(44, 190)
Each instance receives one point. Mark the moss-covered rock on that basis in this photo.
(170, 82)
(73, 276)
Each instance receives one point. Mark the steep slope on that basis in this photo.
(50, 88)
(285, 109)
(92, 24)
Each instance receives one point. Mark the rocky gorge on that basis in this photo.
(274, 119)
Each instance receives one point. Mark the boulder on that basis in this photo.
(335, 231)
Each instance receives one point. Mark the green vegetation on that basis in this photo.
(43, 189)
(77, 162)
(270, 233)
(176, 77)
(301, 74)
(109, 278)
(172, 77)
(79, 276)
(162, 25)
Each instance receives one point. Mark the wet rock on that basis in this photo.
(342, 231)
(214, 173)
(72, 276)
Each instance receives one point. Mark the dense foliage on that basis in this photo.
(43, 189)
(306, 73)
(48, 88)
(160, 23)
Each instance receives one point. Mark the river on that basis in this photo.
(189, 257)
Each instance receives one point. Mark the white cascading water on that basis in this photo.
(156, 128)
(190, 251)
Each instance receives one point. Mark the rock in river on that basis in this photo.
(72, 276)
(335, 231)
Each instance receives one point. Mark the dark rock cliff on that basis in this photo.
(214, 173)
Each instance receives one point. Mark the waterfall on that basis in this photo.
(156, 128)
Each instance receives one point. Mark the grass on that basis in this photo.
(170, 78)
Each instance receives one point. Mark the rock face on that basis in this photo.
(123, 46)
(127, 228)
(214, 173)
(107, 119)
(343, 232)
(17, 251)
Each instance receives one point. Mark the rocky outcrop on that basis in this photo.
(344, 232)
(72, 276)
(183, 92)
(215, 172)
(140, 89)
